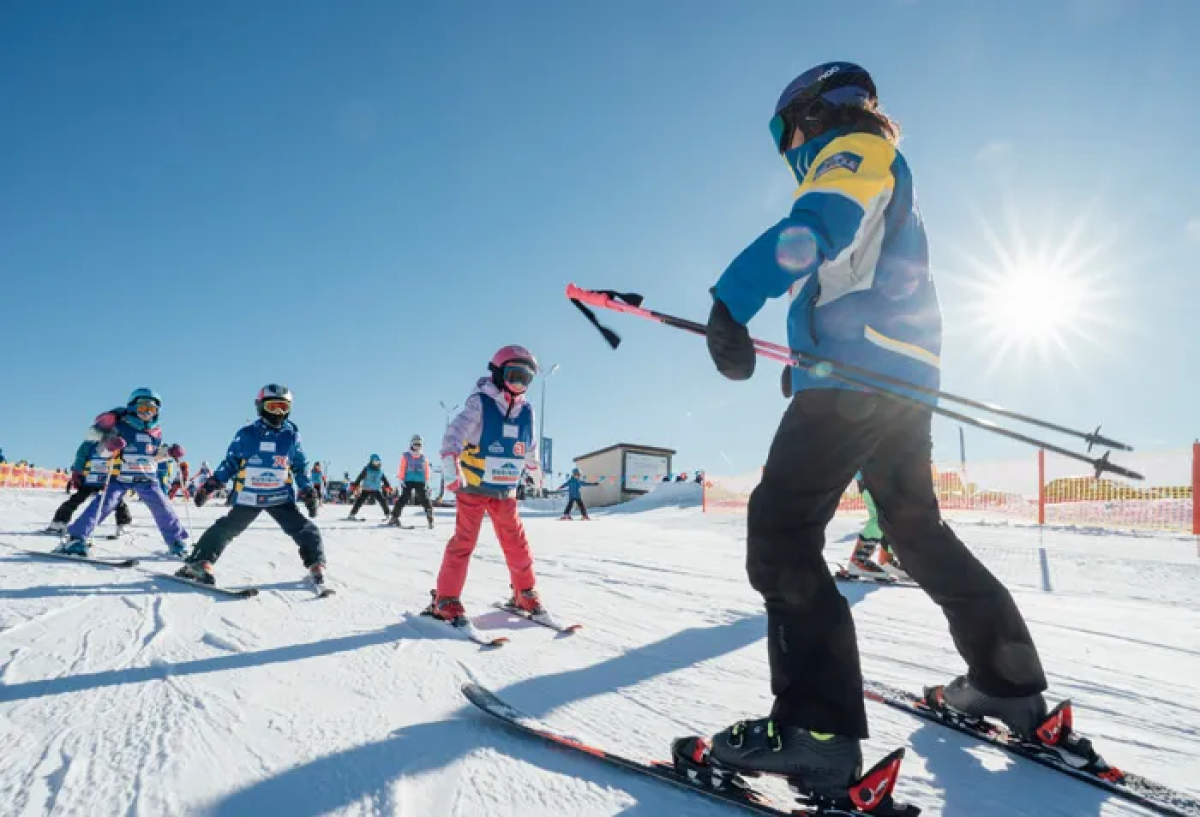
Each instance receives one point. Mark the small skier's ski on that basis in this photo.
(1072, 754)
(237, 593)
(467, 630)
(843, 575)
(85, 559)
(544, 619)
(733, 789)
(463, 626)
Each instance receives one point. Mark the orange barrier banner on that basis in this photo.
(24, 476)
(1042, 489)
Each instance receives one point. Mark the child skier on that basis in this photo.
(89, 474)
(317, 478)
(414, 473)
(181, 481)
(483, 451)
(130, 437)
(369, 484)
(854, 257)
(265, 460)
(574, 488)
(201, 477)
(861, 564)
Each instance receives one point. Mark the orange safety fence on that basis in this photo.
(1042, 489)
(28, 477)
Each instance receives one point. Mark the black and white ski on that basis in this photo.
(463, 627)
(843, 575)
(232, 592)
(545, 619)
(734, 790)
(48, 554)
(1082, 764)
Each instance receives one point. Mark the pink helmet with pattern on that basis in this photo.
(513, 369)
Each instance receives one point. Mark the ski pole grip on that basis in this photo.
(587, 296)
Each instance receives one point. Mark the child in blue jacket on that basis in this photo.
(574, 487)
(266, 461)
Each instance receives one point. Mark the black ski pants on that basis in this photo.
(67, 509)
(295, 524)
(571, 503)
(363, 496)
(413, 492)
(825, 437)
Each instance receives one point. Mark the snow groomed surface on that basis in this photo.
(124, 694)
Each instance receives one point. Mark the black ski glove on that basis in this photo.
(309, 497)
(729, 344)
(785, 384)
(210, 486)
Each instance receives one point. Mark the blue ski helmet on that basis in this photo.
(376, 459)
(808, 96)
(142, 395)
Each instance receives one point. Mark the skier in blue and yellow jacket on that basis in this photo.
(129, 444)
(852, 255)
(266, 463)
(89, 475)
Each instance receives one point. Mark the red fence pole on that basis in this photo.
(1041, 486)
(1196, 488)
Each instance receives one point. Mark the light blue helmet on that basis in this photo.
(138, 396)
(376, 459)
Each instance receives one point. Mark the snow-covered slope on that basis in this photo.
(124, 694)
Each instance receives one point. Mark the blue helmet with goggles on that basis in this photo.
(142, 408)
(811, 96)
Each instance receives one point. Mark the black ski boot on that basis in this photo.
(197, 572)
(823, 765)
(694, 759)
(1023, 715)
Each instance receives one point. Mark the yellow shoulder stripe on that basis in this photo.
(858, 166)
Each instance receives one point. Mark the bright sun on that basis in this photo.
(1046, 294)
(1034, 303)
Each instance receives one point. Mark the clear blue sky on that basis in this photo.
(364, 200)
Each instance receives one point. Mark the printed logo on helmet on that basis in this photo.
(829, 73)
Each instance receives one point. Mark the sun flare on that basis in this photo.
(1034, 303)
(1044, 294)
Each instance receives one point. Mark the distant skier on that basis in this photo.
(319, 483)
(266, 461)
(871, 537)
(89, 474)
(131, 438)
(200, 478)
(166, 468)
(414, 473)
(180, 483)
(853, 256)
(483, 452)
(574, 487)
(370, 484)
